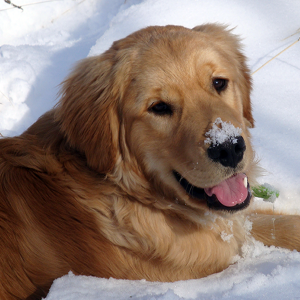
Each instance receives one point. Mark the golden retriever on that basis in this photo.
(142, 170)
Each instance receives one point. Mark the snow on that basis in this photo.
(222, 131)
(264, 273)
(38, 47)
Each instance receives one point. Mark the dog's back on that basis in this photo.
(44, 230)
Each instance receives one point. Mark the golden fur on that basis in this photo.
(90, 186)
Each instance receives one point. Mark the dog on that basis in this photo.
(143, 170)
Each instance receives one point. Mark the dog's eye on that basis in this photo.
(161, 108)
(220, 84)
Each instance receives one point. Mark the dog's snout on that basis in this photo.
(229, 153)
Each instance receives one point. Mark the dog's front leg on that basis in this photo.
(278, 230)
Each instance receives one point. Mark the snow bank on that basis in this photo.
(265, 273)
(39, 45)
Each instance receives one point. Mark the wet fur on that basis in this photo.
(89, 187)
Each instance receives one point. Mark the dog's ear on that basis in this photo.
(231, 44)
(88, 109)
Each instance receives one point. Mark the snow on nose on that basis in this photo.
(222, 131)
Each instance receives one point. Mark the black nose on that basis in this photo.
(229, 153)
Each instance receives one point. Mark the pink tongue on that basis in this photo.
(231, 191)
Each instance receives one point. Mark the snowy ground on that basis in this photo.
(39, 45)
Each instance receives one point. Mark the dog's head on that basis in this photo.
(166, 111)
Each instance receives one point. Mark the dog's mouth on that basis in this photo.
(232, 194)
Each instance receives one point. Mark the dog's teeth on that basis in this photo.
(245, 182)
